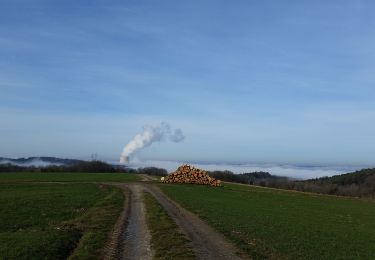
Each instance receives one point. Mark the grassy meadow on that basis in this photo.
(276, 224)
(54, 221)
(65, 177)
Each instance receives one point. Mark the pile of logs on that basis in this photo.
(188, 174)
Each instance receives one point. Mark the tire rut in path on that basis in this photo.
(115, 246)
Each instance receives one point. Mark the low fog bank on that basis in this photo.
(287, 170)
(30, 163)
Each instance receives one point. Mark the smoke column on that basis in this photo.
(150, 135)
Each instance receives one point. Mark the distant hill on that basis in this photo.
(38, 161)
(362, 177)
(60, 165)
(356, 184)
(254, 178)
(54, 164)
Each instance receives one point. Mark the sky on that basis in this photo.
(246, 81)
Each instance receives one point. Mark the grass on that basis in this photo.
(276, 224)
(166, 241)
(54, 221)
(65, 177)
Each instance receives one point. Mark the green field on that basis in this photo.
(52, 221)
(275, 224)
(65, 177)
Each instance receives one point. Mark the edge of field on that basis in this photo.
(97, 225)
(244, 240)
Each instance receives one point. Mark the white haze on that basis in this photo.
(35, 162)
(287, 170)
(150, 135)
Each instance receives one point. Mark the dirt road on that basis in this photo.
(131, 238)
(137, 236)
(135, 242)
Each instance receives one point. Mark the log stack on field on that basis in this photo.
(188, 174)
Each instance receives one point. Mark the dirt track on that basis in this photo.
(134, 243)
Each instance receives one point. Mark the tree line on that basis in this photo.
(357, 184)
(254, 178)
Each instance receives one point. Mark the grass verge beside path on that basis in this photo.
(166, 241)
(276, 224)
(50, 221)
(65, 177)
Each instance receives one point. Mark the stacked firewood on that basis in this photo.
(189, 174)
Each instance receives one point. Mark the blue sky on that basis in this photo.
(247, 81)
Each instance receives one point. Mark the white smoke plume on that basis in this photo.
(150, 135)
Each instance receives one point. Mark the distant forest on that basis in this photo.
(357, 184)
